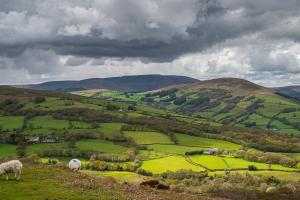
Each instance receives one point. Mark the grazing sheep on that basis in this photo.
(75, 165)
(14, 166)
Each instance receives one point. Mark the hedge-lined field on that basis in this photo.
(172, 149)
(188, 140)
(148, 137)
(172, 163)
(11, 122)
(100, 146)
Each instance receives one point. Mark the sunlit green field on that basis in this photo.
(148, 137)
(211, 162)
(188, 140)
(240, 163)
(172, 149)
(119, 176)
(172, 163)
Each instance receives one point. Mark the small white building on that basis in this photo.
(211, 151)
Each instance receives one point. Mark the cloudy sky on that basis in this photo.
(258, 40)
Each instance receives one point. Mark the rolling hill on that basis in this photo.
(137, 83)
(230, 101)
(136, 143)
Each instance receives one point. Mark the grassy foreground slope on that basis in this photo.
(41, 182)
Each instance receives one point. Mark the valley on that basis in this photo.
(135, 141)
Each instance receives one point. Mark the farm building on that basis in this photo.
(50, 139)
(211, 151)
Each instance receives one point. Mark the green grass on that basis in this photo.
(188, 140)
(148, 137)
(259, 120)
(36, 148)
(211, 162)
(122, 95)
(11, 122)
(56, 104)
(100, 146)
(149, 155)
(8, 150)
(240, 163)
(80, 125)
(293, 155)
(172, 149)
(119, 176)
(47, 122)
(39, 183)
(172, 163)
(110, 129)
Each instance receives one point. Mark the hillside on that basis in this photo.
(133, 144)
(125, 83)
(291, 91)
(226, 100)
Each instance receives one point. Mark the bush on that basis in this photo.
(33, 158)
(39, 99)
(252, 168)
(144, 172)
(194, 152)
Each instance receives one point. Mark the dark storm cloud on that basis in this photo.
(154, 31)
(129, 28)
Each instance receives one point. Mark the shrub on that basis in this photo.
(252, 168)
(144, 172)
(33, 158)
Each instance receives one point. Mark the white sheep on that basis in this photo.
(75, 165)
(14, 166)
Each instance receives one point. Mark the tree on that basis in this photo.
(21, 149)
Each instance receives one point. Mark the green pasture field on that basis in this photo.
(172, 149)
(211, 162)
(110, 129)
(36, 148)
(119, 176)
(172, 163)
(38, 183)
(149, 155)
(188, 140)
(240, 163)
(122, 95)
(56, 104)
(11, 122)
(40, 131)
(80, 125)
(148, 137)
(48, 122)
(260, 120)
(293, 117)
(8, 150)
(100, 146)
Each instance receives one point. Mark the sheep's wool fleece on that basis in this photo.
(13, 165)
(75, 164)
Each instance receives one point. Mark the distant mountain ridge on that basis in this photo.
(139, 83)
(292, 91)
